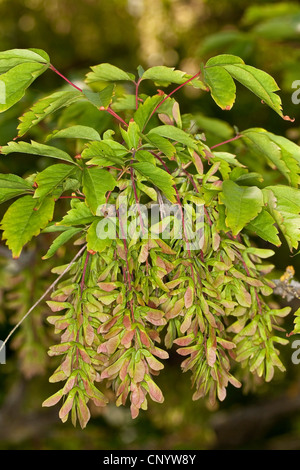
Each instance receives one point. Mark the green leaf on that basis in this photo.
(221, 85)
(34, 148)
(17, 80)
(140, 70)
(24, 219)
(145, 110)
(263, 226)
(223, 59)
(11, 186)
(75, 132)
(242, 204)
(106, 147)
(260, 252)
(83, 113)
(94, 243)
(280, 153)
(222, 40)
(53, 176)
(171, 132)
(259, 12)
(103, 154)
(131, 135)
(43, 56)
(101, 98)
(124, 103)
(14, 57)
(256, 80)
(79, 214)
(44, 107)
(157, 177)
(60, 241)
(221, 129)
(96, 183)
(107, 73)
(283, 202)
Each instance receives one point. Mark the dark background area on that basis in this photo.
(128, 33)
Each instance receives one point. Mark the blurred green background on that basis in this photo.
(128, 33)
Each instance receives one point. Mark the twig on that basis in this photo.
(43, 296)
